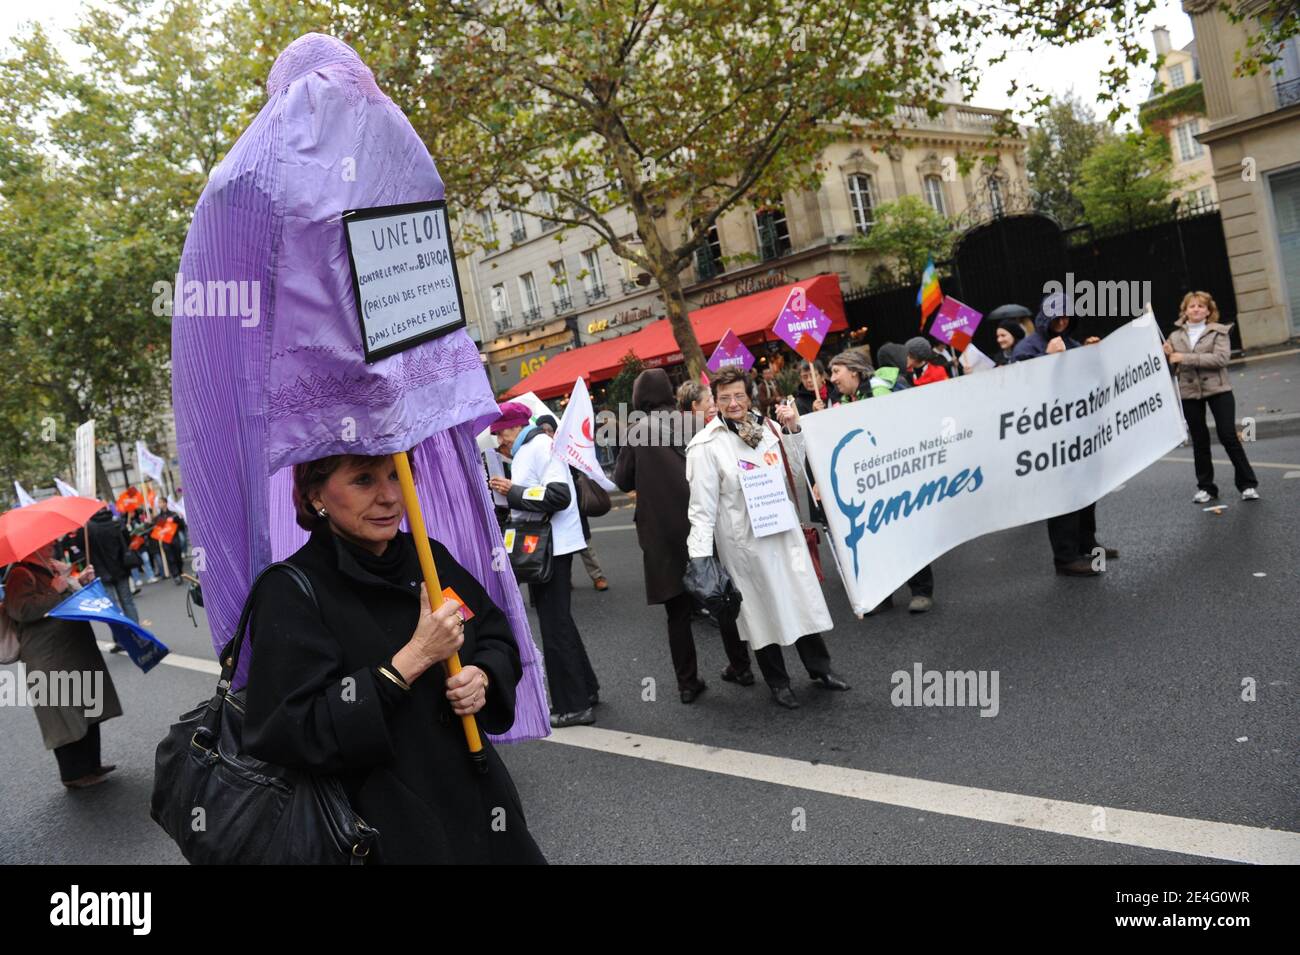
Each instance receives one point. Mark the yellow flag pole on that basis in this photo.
(434, 587)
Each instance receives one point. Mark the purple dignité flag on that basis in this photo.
(268, 368)
(730, 353)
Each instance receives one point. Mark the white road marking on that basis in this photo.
(1276, 354)
(613, 527)
(178, 660)
(1196, 837)
(1254, 464)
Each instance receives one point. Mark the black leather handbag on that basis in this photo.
(530, 546)
(709, 583)
(224, 807)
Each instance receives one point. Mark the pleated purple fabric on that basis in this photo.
(267, 365)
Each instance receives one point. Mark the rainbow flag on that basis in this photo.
(928, 296)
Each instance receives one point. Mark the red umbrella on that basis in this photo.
(25, 530)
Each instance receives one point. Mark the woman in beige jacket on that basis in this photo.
(1198, 354)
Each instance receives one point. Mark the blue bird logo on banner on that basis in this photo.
(93, 603)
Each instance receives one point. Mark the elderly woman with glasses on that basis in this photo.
(783, 602)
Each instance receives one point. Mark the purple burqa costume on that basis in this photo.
(267, 361)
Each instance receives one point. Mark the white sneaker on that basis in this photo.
(1250, 494)
(1202, 497)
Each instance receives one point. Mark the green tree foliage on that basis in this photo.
(620, 388)
(100, 169)
(1065, 135)
(907, 232)
(1126, 181)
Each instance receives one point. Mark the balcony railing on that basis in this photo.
(595, 293)
(1288, 93)
(628, 286)
(531, 315)
(504, 324)
(562, 305)
(518, 235)
(549, 226)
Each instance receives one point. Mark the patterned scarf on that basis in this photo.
(749, 430)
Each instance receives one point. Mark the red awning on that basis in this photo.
(750, 317)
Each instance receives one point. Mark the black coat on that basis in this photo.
(401, 755)
(108, 548)
(658, 475)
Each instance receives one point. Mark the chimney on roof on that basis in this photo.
(1161, 36)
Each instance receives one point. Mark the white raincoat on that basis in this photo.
(782, 600)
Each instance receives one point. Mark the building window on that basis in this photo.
(862, 196)
(1177, 77)
(518, 231)
(1199, 199)
(561, 299)
(546, 203)
(708, 257)
(995, 196)
(500, 307)
(773, 233)
(488, 226)
(528, 296)
(1188, 147)
(934, 194)
(593, 283)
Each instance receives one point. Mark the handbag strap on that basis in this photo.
(789, 477)
(231, 651)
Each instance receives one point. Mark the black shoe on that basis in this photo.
(580, 718)
(784, 696)
(744, 677)
(117, 648)
(691, 693)
(1110, 552)
(594, 699)
(830, 681)
(1077, 568)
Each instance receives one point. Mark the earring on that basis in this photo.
(320, 511)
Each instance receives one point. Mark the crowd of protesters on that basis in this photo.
(680, 463)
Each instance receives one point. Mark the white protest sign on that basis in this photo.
(403, 275)
(907, 477)
(495, 468)
(575, 441)
(84, 467)
(148, 463)
(973, 360)
(770, 510)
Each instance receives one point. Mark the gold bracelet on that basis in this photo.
(394, 677)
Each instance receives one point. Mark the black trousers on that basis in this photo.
(1224, 408)
(681, 642)
(80, 758)
(1073, 535)
(568, 670)
(812, 651)
(922, 582)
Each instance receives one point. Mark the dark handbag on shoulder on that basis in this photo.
(530, 547)
(810, 535)
(593, 500)
(224, 807)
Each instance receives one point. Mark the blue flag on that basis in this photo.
(92, 602)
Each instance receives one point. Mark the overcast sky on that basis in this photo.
(1075, 67)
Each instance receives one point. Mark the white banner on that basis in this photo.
(575, 442)
(23, 497)
(85, 460)
(178, 506)
(148, 463)
(908, 477)
(65, 489)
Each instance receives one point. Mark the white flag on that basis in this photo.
(66, 489)
(23, 497)
(575, 442)
(178, 506)
(148, 463)
(84, 470)
(973, 360)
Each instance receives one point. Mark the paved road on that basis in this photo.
(1120, 699)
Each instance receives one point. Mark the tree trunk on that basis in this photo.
(670, 284)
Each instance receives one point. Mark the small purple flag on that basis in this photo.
(731, 352)
(955, 323)
(801, 324)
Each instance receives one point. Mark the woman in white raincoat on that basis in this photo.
(783, 602)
